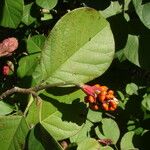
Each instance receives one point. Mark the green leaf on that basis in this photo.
(88, 144)
(79, 48)
(110, 130)
(27, 18)
(131, 49)
(120, 55)
(94, 116)
(106, 148)
(126, 141)
(11, 13)
(61, 116)
(127, 4)
(13, 132)
(131, 89)
(5, 108)
(143, 12)
(35, 43)
(113, 9)
(98, 131)
(48, 4)
(146, 102)
(40, 139)
(27, 65)
(83, 133)
(46, 17)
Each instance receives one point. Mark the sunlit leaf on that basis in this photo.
(27, 18)
(79, 48)
(126, 141)
(131, 89)
(88, 144)
(61, 116)
(131, 49)
(48, 4)
(143, 11)
(146, 102)
(5, 108)
(111, 130)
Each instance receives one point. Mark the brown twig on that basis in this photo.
(34, 90)
(17, 90)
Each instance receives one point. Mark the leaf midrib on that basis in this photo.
(50, 75)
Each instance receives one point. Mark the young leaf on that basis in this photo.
(126, 141)
(27, 65)
(83, 133)
(79, 48)
(131, 49)
(131, 89)
(27, 18)
(48, 4)
(143, 12)
(35, 43)
(94, 116)
(146, 102)
(106, 148)
(113, 9)
(110, 130)
(13, 132)
(5, 108)
(88, 144)
(11, 13)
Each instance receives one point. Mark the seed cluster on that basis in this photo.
(100, 97)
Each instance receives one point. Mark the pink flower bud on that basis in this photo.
(7, 46)
(6, 70)
(89, 90)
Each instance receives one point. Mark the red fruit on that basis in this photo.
(112, 109)
(101, 98)
(6, 70)
(111, 92)
(113, 104)
(91, 99)
(105, 106)
(109, 96)
(103, 88)
(97, 85)
(94, 107)
(103, 93)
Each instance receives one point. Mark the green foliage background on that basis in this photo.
(79, 41)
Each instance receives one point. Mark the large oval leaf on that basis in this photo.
(61, 115)
(79, 48)
(11, 13)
